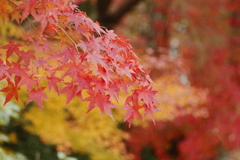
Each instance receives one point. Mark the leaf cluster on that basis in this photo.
(98, 63)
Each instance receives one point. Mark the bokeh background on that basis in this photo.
(192, 48)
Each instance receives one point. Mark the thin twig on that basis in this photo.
(13, 2)
(32, 25)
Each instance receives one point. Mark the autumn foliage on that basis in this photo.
(208, 49)
(94, 64)
(192, 48)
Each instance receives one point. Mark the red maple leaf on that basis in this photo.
(11, 48)
(11, 89)
(100, 100)
(37, 95)
(28, 80)
(132, 111)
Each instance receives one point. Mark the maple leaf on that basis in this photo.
(11, 89)
(149, 111)
(126, 71)
(28, 36)
(42, 46)
(26, 56)
(37, 95)
(100, 100)
(132, 111)
(27, 8)
(129, 116)
(82, 45)
(11, 48)
(99, 85)
(74, 70)
(43, 20)
(73, 6)
(72, 89)
(4, 70)
(28, 80)
(147, 95)
(105, 75)
(52, 80)
(114, 89)
(75, 19)
(68, 54)
(41, 63)
(96, 59)
(18, 70)
(16, 16)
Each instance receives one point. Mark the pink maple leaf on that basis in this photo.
(72, 89)
(147, 95)
(150, 111)
(96, 59)
(26, 57)
(22, 72)
(132, 111)
(37, 95)
(27, 8)
(52, 82)
(29, 81)
(4, 70)
(42, 46)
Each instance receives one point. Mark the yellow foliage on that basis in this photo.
(70, 128)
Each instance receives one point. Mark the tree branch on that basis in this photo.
(109, 20)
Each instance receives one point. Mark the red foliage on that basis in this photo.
(211, 55)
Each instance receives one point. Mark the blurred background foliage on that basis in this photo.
(192, 49)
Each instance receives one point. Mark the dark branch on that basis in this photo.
(109, 20)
